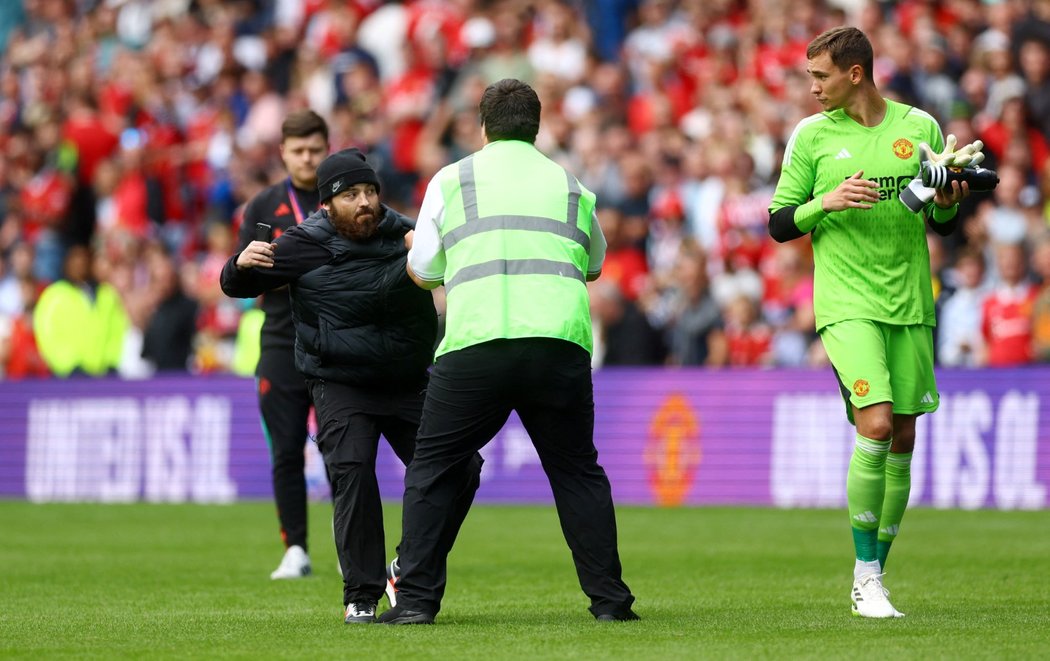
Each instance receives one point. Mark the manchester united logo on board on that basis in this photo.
(903, 148)
(672, 454)
(861, 387)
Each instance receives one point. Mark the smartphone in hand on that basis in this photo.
(263, 232)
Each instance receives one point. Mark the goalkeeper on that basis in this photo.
(842, 180)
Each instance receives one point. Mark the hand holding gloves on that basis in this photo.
(915, 196)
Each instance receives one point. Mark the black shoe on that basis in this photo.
(400, 615)
(627, 616)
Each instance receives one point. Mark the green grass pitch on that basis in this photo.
(175, 582)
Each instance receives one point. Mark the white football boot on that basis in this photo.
(870, 599)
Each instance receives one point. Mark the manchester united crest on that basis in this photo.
(672, 453)
(903, 148)
(861, 388)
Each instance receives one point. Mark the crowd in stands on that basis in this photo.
(132, 132)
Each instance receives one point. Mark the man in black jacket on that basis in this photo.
(284, 400)
(364, 340)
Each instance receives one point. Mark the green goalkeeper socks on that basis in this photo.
(865, 490)
(898, 488)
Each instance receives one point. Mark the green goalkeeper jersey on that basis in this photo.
(869, 263)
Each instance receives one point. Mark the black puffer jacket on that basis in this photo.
(359, 319)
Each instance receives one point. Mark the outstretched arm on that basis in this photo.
(263, 266)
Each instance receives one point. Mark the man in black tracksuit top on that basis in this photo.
(284, 401)
(364, 341)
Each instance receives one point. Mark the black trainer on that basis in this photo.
(618, 617)
(360, 612)
(401, 615)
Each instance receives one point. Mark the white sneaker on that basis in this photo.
(295, 564)
(360, 612)
(870, 599)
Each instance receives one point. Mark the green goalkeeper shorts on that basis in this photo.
(877, 362)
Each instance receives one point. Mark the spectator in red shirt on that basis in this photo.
(1006, 315)
(748, 338)
(20, 354)
(92, 137)
(1013, 124)
(788, 303)
(131, 196)
(625, 263)
(219, 315)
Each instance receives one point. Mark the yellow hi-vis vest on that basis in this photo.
(246, 347)
(516, 236)
(73, 331)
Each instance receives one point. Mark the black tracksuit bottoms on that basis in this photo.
(284, 404)
(471, 394)
(350, 421)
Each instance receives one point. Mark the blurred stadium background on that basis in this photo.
(140, 128)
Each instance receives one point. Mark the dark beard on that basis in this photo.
(360, 227)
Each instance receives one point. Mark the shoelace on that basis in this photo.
(867, 591)
(877, 578)
(361, 608)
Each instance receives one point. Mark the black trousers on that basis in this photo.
(350, 421)
(471, 394)
(284, 403)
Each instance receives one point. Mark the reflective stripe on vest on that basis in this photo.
(515, 267)
(474, 225)
(469, 187)
(547, 240)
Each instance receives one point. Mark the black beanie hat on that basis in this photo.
(342, 170)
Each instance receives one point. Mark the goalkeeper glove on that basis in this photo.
(968, 155)
(916, 195)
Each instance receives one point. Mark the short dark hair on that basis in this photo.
(846, 46)
(510, 110)
(303, 123)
